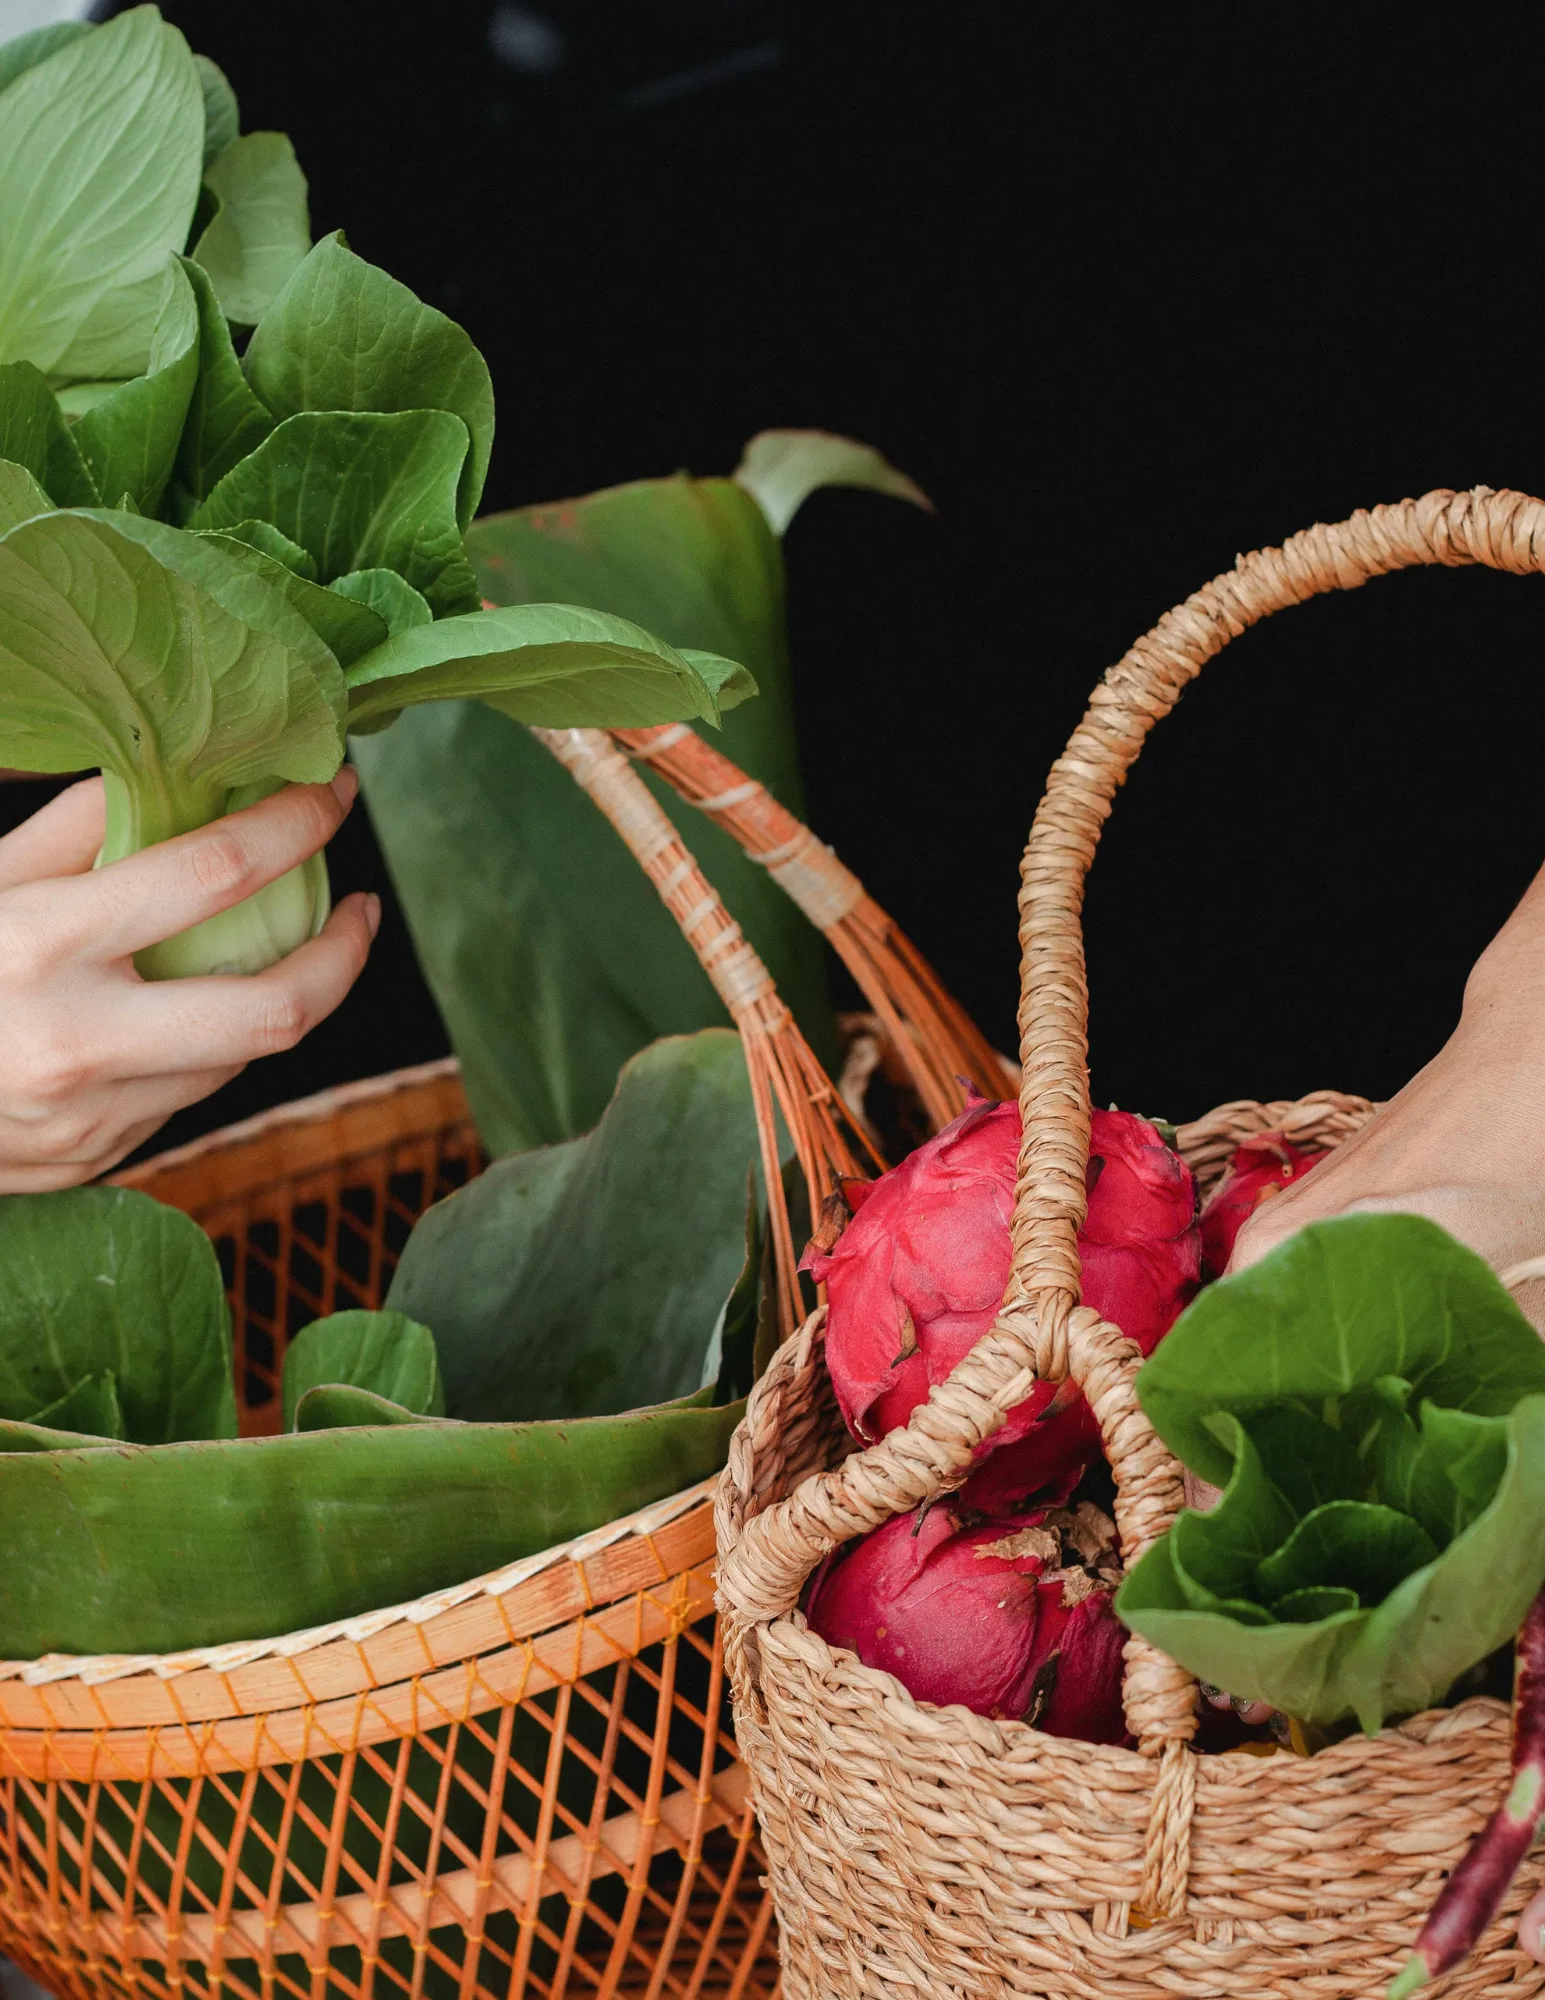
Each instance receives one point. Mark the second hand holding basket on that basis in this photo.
(935, 1852)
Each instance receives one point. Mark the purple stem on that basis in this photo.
(1473, 1894)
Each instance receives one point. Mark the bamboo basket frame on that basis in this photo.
(931, 1852)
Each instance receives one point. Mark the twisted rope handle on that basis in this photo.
(1041, 1330)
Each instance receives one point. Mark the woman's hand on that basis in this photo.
(1464, 1142)
(92, 1057)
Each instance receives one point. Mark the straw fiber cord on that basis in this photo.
(939, 1044)
(785, 1075)
(932, 1851)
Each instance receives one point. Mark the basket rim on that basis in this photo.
(94, 1668)
(322, 1104)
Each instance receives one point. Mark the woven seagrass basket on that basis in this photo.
(525, 1785)
(929, 1852)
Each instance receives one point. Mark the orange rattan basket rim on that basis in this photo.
(94, 1668)
(299, 1111)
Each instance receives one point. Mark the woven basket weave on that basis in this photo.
(522, 1786)
(931, 1853)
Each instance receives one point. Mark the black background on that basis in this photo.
(1126, 299)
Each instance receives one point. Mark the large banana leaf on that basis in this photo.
(592, 1276)
(128, 1548)
(554, 960)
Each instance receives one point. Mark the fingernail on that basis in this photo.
(373, 913)
(344, 786)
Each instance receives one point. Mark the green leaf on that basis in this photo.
(34, 434)
(101, 1280)
(1308, 1607)
(781, 469)
(20, 496)
(1355, 1545)
(733, 1360)
(1217, 1556)
(385, 1352)
(1331, 1310)
(347, 628)
(24, 52)
(1471, 1450)
(129, 438)
(225, 420)
(91, 1408)
(110, 658)
(261, 227)
(42, 1437)
(100, 159)
(552, 664)
(557, 961)
(360, 492)
(1306, 1460)
(267, 540)
(342, 335)
(222, 115)
(585, 1278)
(1395, 1659)
(339, 1406)
(1401, 1465)
(398, 603)
(134, 1550)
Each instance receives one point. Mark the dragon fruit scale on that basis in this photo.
(915, 1281)
(1258, 1170)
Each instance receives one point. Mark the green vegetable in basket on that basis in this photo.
(137, 1521)
(1373, 1403)
(613, 1270)
(555, 961)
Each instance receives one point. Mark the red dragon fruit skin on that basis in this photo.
(1255, 1174)
(951, 1626)
(965, 1615)
(915, 1281)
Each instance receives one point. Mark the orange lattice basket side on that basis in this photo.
(524, 1785)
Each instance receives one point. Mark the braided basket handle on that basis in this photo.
(1041, 1330)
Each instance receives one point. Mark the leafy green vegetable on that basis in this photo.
(199, 673)
(35, 434)
(342, 335)
(386, 1353)
(555, 961)
(22, 52)
(123, 1549)
(225, 419)
(359, 492)
(130, 436)
(1375, 1403)
(110, 1302)
(589, 1277)
(222, 118)
(261, 226)
(101, 154)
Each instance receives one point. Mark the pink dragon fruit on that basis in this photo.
(985, 1616)
(1256, 1172)
(915, 1280)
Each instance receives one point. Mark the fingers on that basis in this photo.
(61, 839)
(63, 1146)
(223, 1021)
(168, 888)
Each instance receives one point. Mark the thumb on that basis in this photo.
(62, 839)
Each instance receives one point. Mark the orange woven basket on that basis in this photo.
(522, 1786)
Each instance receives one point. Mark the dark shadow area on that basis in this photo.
(1126, 299)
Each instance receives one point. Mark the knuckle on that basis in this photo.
(221, 865)
(281, 1020)
(52, 1072)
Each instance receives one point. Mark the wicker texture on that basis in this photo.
(522, 1785)
(923, 1850)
